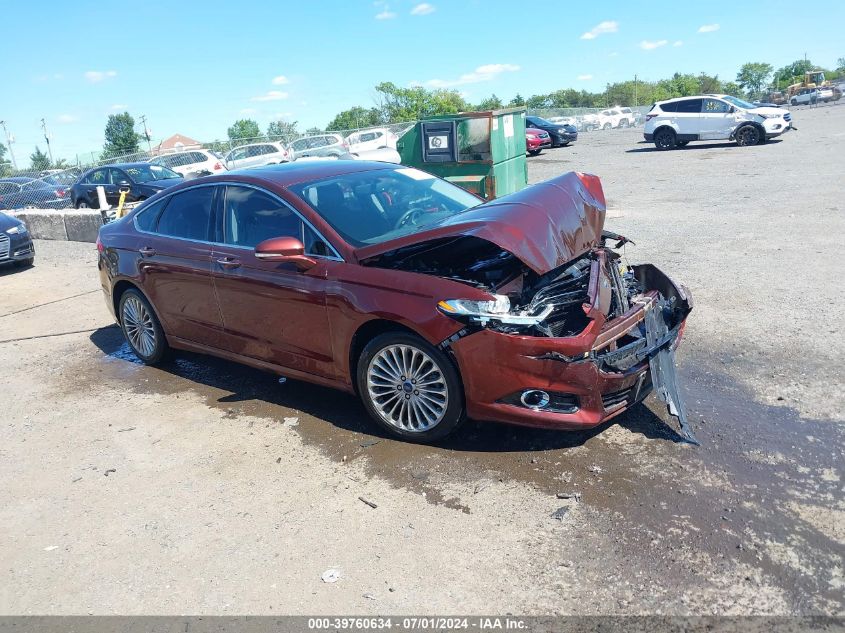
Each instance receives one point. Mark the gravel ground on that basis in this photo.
(206, 487)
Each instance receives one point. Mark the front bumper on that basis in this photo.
(776, 127)
(648, 137)
(539, 144)
(585, 391)
(561, 138)
(16, 248)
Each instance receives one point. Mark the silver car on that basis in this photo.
(321, 145)
(256, 155)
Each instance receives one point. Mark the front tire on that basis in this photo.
(606, 126)
(748, 135)
(82, 204)
(141, 328)
(534, 152)
(410, 388)
(665, 139)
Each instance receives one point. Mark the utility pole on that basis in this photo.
(146, 133)
(9, 141)
(636, 102)
(47, 138)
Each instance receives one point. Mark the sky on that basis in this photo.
(193, 68)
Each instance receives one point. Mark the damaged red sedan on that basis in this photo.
(409, 291)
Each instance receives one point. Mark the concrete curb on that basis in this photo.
(75, 225)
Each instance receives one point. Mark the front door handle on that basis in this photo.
(229, 263)
(147, 251)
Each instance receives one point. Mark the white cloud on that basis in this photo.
(387, 14)
(247, 111)
(272, 95)
(487, 72)
(608, 26)
(423, 8)
(708, 28)
(280, 80)
(678, 43)
(650, 46)
(119, 106)
(67, 118)
(584, 77)
(96, 76)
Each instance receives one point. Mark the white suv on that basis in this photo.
(676, 122)
(367, 140)
(257, 155)
(197, 162)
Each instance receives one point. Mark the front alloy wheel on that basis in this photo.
(747, 135)
(141, 328)
(410, 388)
(664, 139)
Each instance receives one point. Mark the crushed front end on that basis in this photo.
(576, 347)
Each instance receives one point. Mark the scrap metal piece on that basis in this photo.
(663, 373)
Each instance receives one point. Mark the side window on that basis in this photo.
(146, 219)
(7, 188)
(117, 176)
(98, 177)
(251, 216)
(690, 106)
(187, 215)
(669, 107)
(314, 244)
(715, 106)
(299, 145)
(195, 157)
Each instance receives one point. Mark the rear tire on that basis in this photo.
(142, 328)
(82, 204)
(748, 135)
(396, 368)
(665, 139)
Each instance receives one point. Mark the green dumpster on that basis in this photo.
(483, 152)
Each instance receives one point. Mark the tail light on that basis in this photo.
(100, 247)
(649, 117)
(218, 166)
(61, 193)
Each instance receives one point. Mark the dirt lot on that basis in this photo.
(205, 487)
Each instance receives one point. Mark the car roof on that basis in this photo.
(18, 179)
(288, 174)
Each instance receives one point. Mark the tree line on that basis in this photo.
(395, 104)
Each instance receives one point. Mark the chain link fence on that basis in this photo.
(590, 119)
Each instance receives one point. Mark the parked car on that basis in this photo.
(536, 140)
(561, 135)
(615, 117)
(257, 155)
(141, 180)
(403, 288)
(191, 163)
(811, 95)
(383, 154)
(319, 145)
(676, 122)
(366, 140)
(22, 192)
(15, 242)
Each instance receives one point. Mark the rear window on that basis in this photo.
(188, 214)
(146, 218)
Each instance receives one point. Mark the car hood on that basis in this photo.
(545, 225)
(767, 110)
(162, 184)
(7, 222)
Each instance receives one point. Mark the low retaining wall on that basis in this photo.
(76, 225)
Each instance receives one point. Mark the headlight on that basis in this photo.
(20, 229)
(498, 309)
(772, 116)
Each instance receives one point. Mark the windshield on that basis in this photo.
(375, 206)
(739, 102)
(146, 173)
(535, 120)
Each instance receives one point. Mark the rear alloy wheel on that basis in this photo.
(410, 388)
(665, 139)
(141, 328)
(793, 102)
(82, 204)
(607, 126)
(747, 135)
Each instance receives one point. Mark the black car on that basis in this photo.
(22, 192)
(562, 135)
(140, 180)
(15, 242)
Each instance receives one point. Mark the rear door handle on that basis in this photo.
(147, 251)
(229, 263)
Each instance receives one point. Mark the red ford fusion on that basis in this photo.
(387, 282)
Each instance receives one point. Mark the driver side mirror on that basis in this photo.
(285, 250)
(732, 110)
